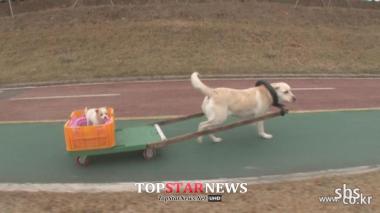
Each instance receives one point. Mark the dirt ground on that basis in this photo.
(212, 37)
(25, 6)
(295, 196)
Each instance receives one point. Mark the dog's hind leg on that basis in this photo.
(207, 125)
(215, 139)
(215, 119)
(216, 122)
(201, 127)
(206, 105)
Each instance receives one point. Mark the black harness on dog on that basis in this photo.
(274, 95)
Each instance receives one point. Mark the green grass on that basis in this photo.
(177, 39)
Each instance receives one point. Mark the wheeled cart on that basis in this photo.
(83, 142)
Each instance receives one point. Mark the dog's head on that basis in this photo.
(102, 113)
(284, 92)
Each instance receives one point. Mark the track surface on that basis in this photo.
(174, 97)
(35, 152)
(303, 142)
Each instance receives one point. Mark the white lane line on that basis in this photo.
(117, 94)
(131, 186)
(313, 88)
(65, 96)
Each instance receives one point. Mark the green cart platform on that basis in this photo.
(127, 140)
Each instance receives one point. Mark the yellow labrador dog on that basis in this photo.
(219, 103)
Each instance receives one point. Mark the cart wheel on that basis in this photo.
(82, 161)
(149, 153)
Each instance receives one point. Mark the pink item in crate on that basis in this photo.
(82, 121)
(79, 121)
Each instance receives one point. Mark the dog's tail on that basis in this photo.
(198, 84)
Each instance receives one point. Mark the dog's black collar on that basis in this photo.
(274, 95)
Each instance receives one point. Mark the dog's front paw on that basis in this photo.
(266, 136)
(200, 140)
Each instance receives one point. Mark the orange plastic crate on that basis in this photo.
(81, 138)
